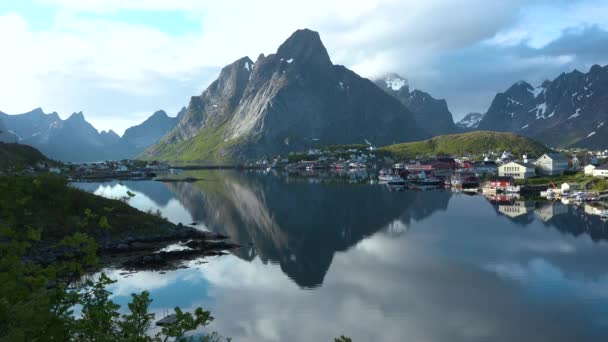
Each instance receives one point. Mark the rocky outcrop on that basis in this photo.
(430, 114)
(569, 110)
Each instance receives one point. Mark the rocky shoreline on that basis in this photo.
(160, 251)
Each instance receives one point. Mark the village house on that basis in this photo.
(483, 168)
(601, 171)
(501, 182)
(551, 164)
(517, 170)
(568, 187)
(417, 167)
(589, 169)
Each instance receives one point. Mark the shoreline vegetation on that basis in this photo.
(52, 236)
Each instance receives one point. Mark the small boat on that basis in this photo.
(429, 181)
(604, 215)
(512, 189)
(391, 179)
(396, 181)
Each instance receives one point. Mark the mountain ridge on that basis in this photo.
(430, 114)
(281, 103)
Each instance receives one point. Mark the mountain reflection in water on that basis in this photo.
(378, 265)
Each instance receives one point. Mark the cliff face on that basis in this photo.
(430, 114)
(284, 102)
(569, 110)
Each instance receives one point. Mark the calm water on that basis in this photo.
(331, 258)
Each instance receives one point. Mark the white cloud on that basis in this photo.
(89, 60)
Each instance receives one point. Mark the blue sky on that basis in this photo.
(120, 60)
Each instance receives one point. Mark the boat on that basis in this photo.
(604, 215)
(396, 181)
(429, 181)
(511, 189)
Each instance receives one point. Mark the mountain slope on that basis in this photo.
(561, 112)
(20, 156)
(5, 135)
(470, 121)
(431, 114)
(475, 143)
(285, 102)
(137, 138)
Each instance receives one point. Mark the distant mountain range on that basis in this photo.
(430, 114)
(76, 140)
(571, 110)
(297, 99)
(287, 101)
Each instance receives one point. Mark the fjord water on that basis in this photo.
(324, 257)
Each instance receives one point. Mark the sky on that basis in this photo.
(118, 61)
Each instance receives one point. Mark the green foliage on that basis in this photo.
(47, 201)
(474, 143)
(39, 288)
(17, 156)
(343, 339)
(209, 145)
(136, 324)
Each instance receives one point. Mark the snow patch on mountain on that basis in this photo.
(540, 110)
(395, 83)
(578, 113)
(537, 91)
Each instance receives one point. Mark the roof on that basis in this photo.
(602, 167)
(555, 156)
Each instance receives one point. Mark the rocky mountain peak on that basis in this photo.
(431, 114)
(395, 82)
(470, 121)
(77, 116)
(159, 114)
(306, 47)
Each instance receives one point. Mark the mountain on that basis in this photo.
(73, 139)
(284, 102)
(109, 137)
(470, 121)
(5, 135)
(475, 143)
(431, 114)
(137, 138)
(76, 140)
(566, 111)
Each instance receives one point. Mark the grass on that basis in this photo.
(60, 210)
(474, 143)
(207, 146)
(588, 182)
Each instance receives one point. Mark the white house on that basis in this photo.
(567, 187)
(516, 209)
(517, 170)
(601, 171)
(589, 170)
(551, 164)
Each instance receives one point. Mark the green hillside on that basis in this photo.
(208, 146)
(20, 156)
(474, 143)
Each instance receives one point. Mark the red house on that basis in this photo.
(501, 182)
